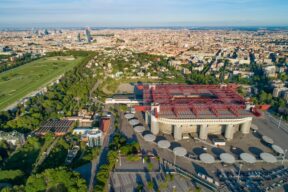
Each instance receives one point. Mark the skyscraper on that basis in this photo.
(88, 35)
(79, 37)
(46, 32)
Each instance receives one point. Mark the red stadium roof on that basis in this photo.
(195, 101)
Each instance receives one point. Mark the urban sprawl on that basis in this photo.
(144, 110)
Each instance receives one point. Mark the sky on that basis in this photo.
(142, 13)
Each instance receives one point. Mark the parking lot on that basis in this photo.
(269, 126)
(251, 143)
(128, 181)
(257, 181)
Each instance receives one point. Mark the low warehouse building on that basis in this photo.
(57, 127)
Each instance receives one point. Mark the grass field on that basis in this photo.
(19, 82)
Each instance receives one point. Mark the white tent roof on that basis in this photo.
(180, 151)
(269, 158)
(139, 129)
(134, 122)
(227, 158)
(248, 158)
(163, 144)
(129, 115)
(207, 158)
(278, 149)
(149, 137)
(267, 139)
(254, 127)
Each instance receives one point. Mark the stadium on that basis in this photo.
(199, 110)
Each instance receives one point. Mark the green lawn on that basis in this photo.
(19, 82)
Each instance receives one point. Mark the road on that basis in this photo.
(93, 173)
(95, 99)
(268, 125)
(94, 89)
(43, 157)
(277, 122)
(152, 147)
(105, 145)
(101, 158)
(208, 66)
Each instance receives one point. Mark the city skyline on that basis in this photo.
(128, 13)
(132, 95)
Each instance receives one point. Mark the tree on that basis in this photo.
(57, 101)
(59, 179)
(112, 157)
(282, 103)
(150, 166)
(163, 185)
(56, 157)
(150, 185)
(11, 176)
(15, 188)
(24, 157)
(139, 187)
(4, 149)
(263, 97)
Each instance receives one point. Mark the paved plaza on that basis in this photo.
(250, 143)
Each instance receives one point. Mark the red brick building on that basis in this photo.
(105, 124)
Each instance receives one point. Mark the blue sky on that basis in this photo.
(28, 13)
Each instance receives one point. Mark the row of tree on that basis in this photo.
(264, 96)
(50, 180)
(102, 175)
(26, 58)
(62, 99)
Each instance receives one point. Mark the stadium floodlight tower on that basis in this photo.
(177, 109)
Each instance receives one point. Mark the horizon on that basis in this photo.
(232, 28)
(128, 13)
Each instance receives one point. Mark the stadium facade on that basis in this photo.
(195, 109)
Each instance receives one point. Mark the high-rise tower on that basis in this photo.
(88, 35)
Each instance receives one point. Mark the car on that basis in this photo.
(191, 155)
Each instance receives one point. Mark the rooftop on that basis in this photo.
(195, 101)
(56, 126)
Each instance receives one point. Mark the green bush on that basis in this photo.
(150, 166)
(133, 158)
(59, 179)
(150, 185)
(24, 157)
(56, 157)
(11, 176)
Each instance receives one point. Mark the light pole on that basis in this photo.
(240, 166)
(175, 162)
(174, 159)
(174, 188)
(284, 156)
(119, 158)
(280, 122)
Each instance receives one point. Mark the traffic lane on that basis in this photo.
(162, 153)
(276, 122)
(107, 135)
(267, 127)
(166, 154)
(181, 162)
(102, 158)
